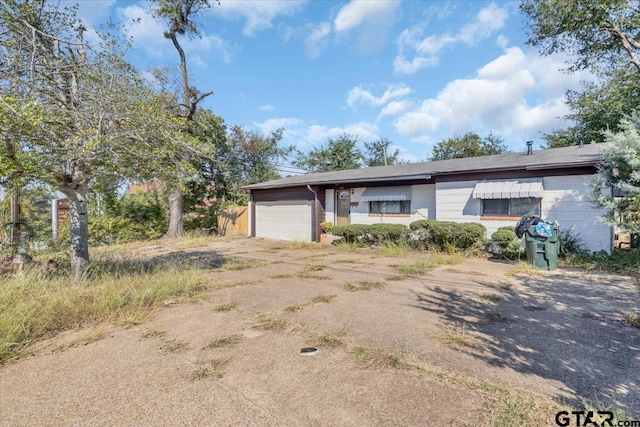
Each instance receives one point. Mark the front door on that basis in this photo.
(342, 207)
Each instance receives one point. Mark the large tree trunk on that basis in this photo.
(176, 223)
(79, 230)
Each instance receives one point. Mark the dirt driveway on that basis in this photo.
(399, 344)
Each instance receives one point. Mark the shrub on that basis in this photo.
(446, 235)
(326, 226)
(375, 234)
(571, 245)
(505, 243)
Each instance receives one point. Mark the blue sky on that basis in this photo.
(415, 72)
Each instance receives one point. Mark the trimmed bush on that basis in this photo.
(506, 243)
(447, 235)
(375, 234)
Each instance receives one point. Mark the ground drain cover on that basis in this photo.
(309, 351)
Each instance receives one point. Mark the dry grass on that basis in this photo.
(448, 259)
(633, 319)
(320, 299)
(323, 299)
(282, 276)
(235, 264)
(33, 307)
(174, 346)
(371, 357)
(392, 250)
(364, 285)
(395, 277)
(269, 322)
(212, 368)
(415, 268)
(226, 307)
(500, 286)
(154, 334)
(457, 336)
(346, 261)
(491, 297)
(522, 267)
(235, 283)
(229, 341)
(333, 339)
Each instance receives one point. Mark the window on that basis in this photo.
(390, 207)
(511, 207)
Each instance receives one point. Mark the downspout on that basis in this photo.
(315, 225)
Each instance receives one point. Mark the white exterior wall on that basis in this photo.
(330, 201)
(423, 204)
(564, 200)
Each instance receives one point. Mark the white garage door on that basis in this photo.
(284, 220)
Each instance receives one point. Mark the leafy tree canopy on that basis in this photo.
(379, 153)
(620, 173)
(340, 153)
(468, 145)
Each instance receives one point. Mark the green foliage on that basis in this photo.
(326, 226)
(506, 243)
(469, 145)
(375, 234)
(620, 170)
(593, 33)
(571, 245)
(35, 211)
(379, 153)
(340, 154)
(447, 235)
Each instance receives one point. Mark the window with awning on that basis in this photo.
(388, 200)
(510, 197)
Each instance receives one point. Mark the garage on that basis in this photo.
(284, 220)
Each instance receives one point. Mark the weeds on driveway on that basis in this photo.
(490, 297)
(457, 336)
(226, 307)
(211, 368)
(235, 264)
(415, 268)
(229, 341)
(364, 285)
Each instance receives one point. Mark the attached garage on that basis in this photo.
(284, 220)
(287, 214)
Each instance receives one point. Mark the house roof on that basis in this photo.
(552, 158)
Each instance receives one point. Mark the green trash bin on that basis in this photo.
(542, 252)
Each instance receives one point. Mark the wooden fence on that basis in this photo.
(233, 222)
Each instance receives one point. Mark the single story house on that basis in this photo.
(494, 190)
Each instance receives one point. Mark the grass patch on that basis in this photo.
(212, 368)
(620, 262)
(499, 286)
(521, 267)
(449, 259)
(491, 297)
(346, 261)
(282, 276)
(333, 339)
(315, 267)
(154, 334)
(229, 341)
(364, 285)
(269, 322)
(226, 307)
(633, 319)
(174, 346)
(390, 249)
(236, 283)
(33, 308)
(371, 357)
(343, 246)
(320, 299)
(298, 244)
(235, 264)
(395, 277)
(415, 268)
(457, 336)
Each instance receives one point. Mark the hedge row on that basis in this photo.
(441, 235)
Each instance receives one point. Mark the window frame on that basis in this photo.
(510, 208)
(404, 207)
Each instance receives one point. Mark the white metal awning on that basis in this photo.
(515, 189)
(386, 194)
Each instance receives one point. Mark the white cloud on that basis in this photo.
(258, 14)
(358, 95)
(425, 50)
(266, 107)
(364, 131)
(498, 98)
(372, 19)
(396, 107)
(317, 39)
(288, 123)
